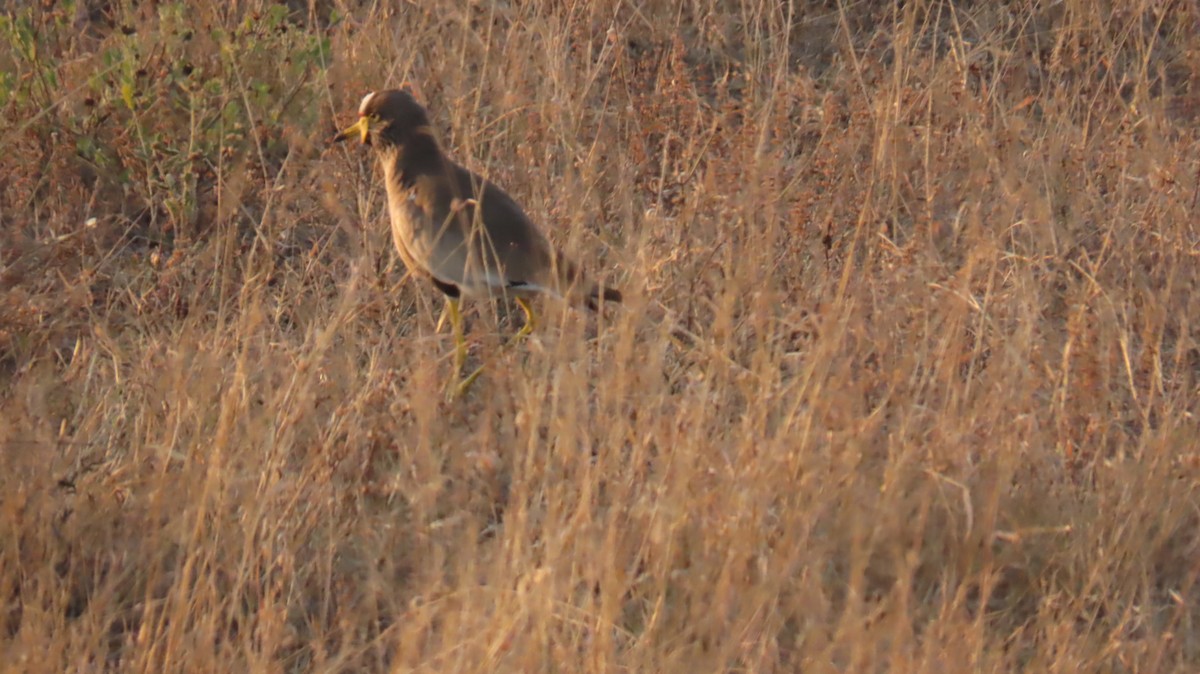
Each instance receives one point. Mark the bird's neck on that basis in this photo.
(420, 154)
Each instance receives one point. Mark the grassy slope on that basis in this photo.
(933, 409)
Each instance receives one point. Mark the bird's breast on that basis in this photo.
(408, 221)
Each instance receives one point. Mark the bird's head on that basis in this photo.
(387, 118)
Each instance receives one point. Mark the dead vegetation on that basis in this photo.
(906, 380)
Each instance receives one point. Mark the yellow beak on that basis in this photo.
(361, 128)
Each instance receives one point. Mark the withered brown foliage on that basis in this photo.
(906, 379)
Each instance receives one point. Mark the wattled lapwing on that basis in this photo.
(464, 233)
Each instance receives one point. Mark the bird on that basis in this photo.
(462, 232)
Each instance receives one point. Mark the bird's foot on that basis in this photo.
(460, 389)
(530, 323)
(460, 356)
(457, 386)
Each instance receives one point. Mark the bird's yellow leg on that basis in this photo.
(525, 331)
(460, 352)
(530, 321)
(443, 317)
(461, 389)
(460, 342)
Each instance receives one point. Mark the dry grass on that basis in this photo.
(936, 411)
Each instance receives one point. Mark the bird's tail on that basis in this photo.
(599, 294)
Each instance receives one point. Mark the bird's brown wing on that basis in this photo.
(485, 242)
